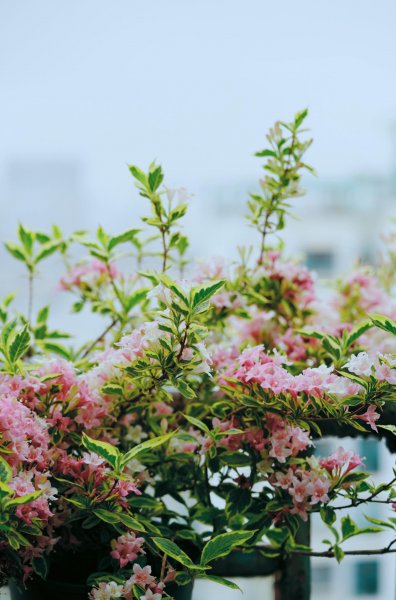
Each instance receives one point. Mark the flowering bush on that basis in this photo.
(187, 427)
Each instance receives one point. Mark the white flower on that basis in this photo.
(360, 364)
(161, 293)
(150, 596)
(107, 591)
(134, 466)
(135, 434)
(93, 459)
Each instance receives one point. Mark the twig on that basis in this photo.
(369, 498)
(99, 338)
(331, 554)
(30, 296)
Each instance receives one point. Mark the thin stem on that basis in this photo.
(30, 295)
(276, 196)
(165, 250)
(99, 338)
(369, 498)
(265, 229)
(330, 553)
(183, 341)
(163, 565)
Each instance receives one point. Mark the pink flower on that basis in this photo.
(106, 591)
(126, 548)
(142, 575)
(149, 595)
(370, 416)
(88, 275)
(384, 372)
(341, 461)
(161, 408)
(360, 364)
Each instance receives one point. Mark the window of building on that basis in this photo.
(321, 575)
(369, 449)
(366, 578)
(321, 261)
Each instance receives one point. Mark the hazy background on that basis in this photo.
(89, 86)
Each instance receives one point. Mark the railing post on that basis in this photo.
(293, 580)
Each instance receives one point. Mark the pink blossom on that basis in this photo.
(384, 372)
(360, 364)
(149, 595)
(126, 548)
(341, 462)
(142, 575)
(161, 408)
(88, 275)
(370, 417)
(106, 591)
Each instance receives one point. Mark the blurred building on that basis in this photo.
(337, 223)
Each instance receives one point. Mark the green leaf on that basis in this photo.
(5, 471)
(46, 250)
(105, 450)
(185, 390)
(40, 566)
(348, 527)
(222, 545)
(155, 178)
(198, 424)
(138, 174)
(27, 238)
(221, 581)
(338, 553)
(43, 314)
(107, 516)
(380, 522)
(7, 331)
(173, 550)
(130, 522)
(127, 236)
(112, 389)
(384, 323)
(391, 428)
(300, 117)
(328, 515)
(135, 298)
(19, 345)
(26, 499)
(357, 331)
(147, 445)
(204, 292)
(310, 333)
(265, 152)
(235, 459)
(5, 490)
(16, 251)
(16, 539)
(57, 349)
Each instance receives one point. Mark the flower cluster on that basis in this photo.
(206, 392)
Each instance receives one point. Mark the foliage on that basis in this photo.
(198, 402)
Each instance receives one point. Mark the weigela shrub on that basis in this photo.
(187, 427)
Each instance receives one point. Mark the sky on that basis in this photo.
(195, 84)
(88, 86)
(95, 85)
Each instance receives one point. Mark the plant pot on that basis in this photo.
(183, 592)
(61, 590)
(245, 564)
(49, 590)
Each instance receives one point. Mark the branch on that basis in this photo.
(330, 553)
(369, 498)
(99, 338)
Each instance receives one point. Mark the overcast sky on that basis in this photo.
(194, 84)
